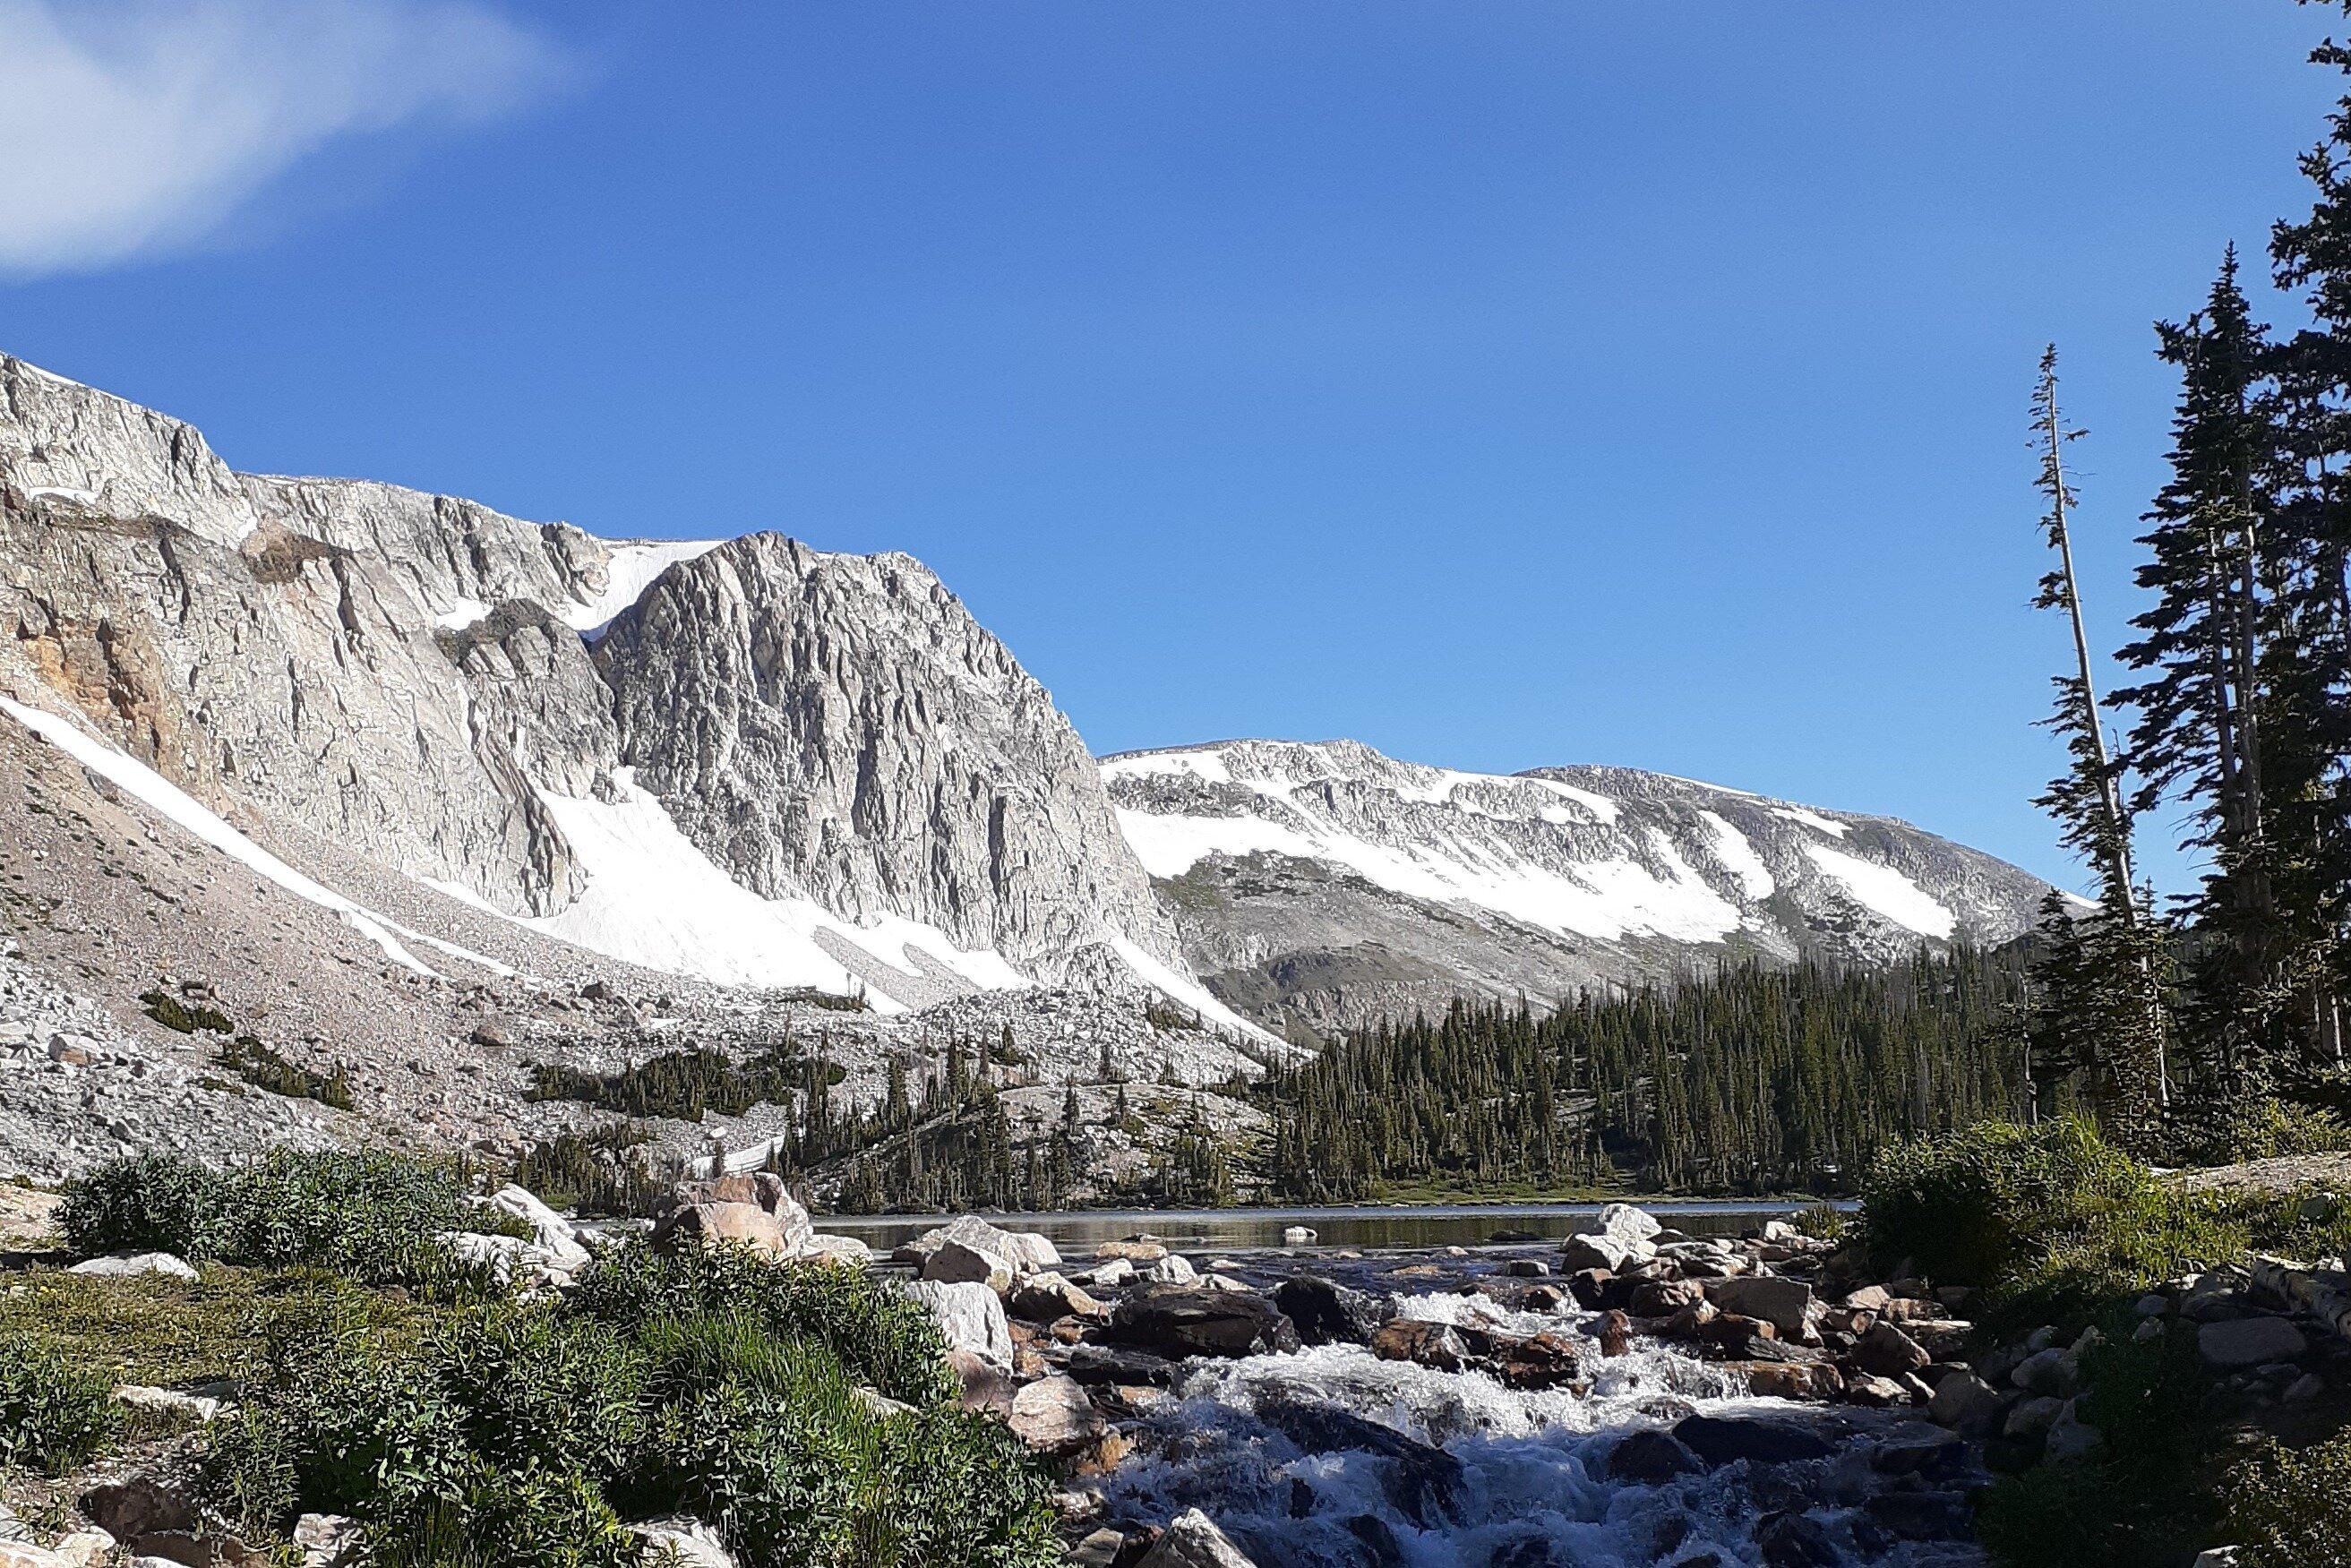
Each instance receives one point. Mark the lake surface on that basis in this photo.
(1366, 1226)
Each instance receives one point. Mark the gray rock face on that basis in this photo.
(1326, 884)
(457, 558)
(282, 676)
(62, 441)
(407, 677)
(841, 725)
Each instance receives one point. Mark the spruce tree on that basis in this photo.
(2206, 720)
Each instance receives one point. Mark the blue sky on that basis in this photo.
(1500, 383)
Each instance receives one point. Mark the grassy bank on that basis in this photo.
(807, 1413)
(2059, 1230)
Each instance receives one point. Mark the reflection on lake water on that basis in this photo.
(1356, 1226)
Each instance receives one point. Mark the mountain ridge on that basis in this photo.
(1320, 884)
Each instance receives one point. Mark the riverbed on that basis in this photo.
(1333, 1456)
(1341, 1226)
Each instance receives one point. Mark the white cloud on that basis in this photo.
(132, 126)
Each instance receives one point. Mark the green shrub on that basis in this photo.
(372, 1216)
(252, 1474)
(2288, 1509)
(175, 1014)
(1822, 1221)
(516, 1435)
(538, 1388)
(1976, 1206)
(970, 1497)
(54, 1412)
(882, 1335)
(152, 1203)
(2271, 1129)
(771, 1440)
(2154, 1234)
(766, 1440)
(529, 1518)
(262, 1068)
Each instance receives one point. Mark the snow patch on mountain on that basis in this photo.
(1325, 884)
(654, 900)
(628, 571)
(185, 811)
(1887, 891)
(1462, 853)
(1731, 846)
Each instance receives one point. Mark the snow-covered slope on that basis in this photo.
(1325, 883)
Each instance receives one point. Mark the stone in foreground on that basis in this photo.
(1195, 1542)
(2249, 1342)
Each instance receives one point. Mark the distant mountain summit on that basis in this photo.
(1323, 884)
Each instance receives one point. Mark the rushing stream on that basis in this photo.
(1514, 1480)
(1206, 1231)
(1330, 1457)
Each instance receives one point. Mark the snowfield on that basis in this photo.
(1617, 855)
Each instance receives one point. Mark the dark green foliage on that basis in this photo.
(2143, 1495)
(54, 1412)
(528, 1518)
(1978, 1205)
(970, 1497)
(720, 1386)
(1193, 1173)
(149, 1202)
(175, 1014)
(265, 1069)
(1749, 1079)
(951, 1149)
(2290, 1510)
(596, 1172)
(2058, 1225)
(534, 1384)
(834, 1001)
(681, 1084)
(369, 1215)
(767, 1439)
(2261, 1128)
(770, 1440)
(2241, 719)
(1167, 1018)
(884, 1336)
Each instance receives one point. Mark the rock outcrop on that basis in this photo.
(840, 727)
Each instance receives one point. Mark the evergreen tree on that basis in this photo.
(2308, 574)
(2109, 964)
(2206, 721)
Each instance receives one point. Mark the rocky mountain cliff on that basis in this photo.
(775, 766)
(1323, 885)
(840, 728)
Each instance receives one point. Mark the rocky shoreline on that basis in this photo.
(1636, 1394)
